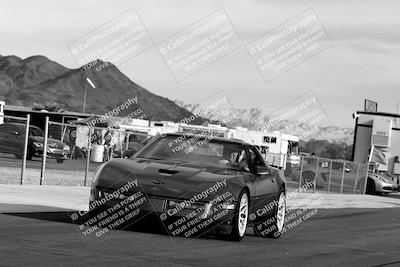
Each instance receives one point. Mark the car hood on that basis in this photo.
(378, 177)
(169, 179)
(40, 139)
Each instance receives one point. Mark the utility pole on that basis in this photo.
(84, 98)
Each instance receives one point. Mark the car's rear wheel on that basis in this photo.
(240, 217)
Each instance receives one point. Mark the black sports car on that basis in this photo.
(193, 184)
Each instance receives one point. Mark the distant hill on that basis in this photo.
(253, 118)
(39, 80)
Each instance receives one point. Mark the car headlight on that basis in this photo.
(382, 179)
(52, 145)
(37, 144)
(66, 147)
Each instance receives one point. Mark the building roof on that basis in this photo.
(384, 114)
(30, 110)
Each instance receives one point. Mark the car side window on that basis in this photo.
(255, 158)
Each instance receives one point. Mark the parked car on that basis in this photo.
(183, 181)
(379, 184)
(12, 140)
(328, 176)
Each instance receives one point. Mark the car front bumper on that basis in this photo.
(53, 153)
(177, 223)
(383, 187)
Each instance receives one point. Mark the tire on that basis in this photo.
(370, 189)
(307, 176)
(240, 219)
(29, 154)
(278, 216)
(60, 160)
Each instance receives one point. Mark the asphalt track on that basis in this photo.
(42, 236)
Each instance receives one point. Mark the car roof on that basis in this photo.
(219, 139)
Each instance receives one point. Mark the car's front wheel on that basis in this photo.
(370, 189)
(278, 218)
(240, 218)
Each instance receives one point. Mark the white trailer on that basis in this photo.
(276, 147)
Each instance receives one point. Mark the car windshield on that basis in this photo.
(195, 149)
(33, 131)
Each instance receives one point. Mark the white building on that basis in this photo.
(381, 131)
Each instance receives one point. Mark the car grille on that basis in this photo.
(55, 145)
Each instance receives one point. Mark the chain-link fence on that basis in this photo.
(321, 174)
(14, 144)
(76, 151)
(73, 153)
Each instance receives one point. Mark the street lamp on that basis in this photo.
(84, 98)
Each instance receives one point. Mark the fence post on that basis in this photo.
(344, 169)
(23, 169)
(355, 180)
(127, 141)
(88, 156)
(330, 177)
(315, 176)
(46, 132)
(301, 171)
(366, 178)
(121, 143)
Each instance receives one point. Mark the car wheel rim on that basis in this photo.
(280, 215)
(243, 213)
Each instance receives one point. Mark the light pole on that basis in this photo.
(84, 98)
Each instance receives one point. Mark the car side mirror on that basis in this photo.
(263, 170)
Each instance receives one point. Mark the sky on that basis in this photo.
(362, 62)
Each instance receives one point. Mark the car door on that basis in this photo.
(265, 184)
(14, 140)
(9, 137)
(3, 142)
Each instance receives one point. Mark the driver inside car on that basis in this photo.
(235, 158)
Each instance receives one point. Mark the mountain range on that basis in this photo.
(255, 118)
(39, 81)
